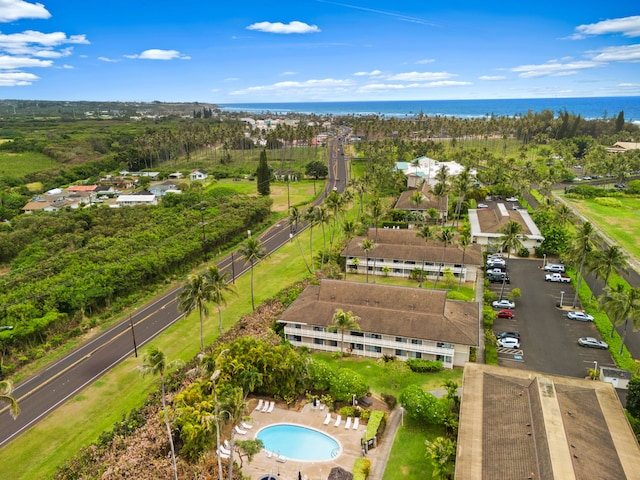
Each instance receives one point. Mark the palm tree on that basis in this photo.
(6, 389)
(218, 285)
(582, 247)
(322, 217)
(335, 202)
(425, 233)
(604, 262)
(311, 217)
(367, 245)
(252, 251)
(446, 237)
(343, 321)
(155, 363)
(563, 213)
(511, 237)
(464, 241)
(294, 218)
(195, 295)
(622, 304)
(377, 211)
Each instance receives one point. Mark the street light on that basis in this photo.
(561, 298)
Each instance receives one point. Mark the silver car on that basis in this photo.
(581, 316)
(592, 343)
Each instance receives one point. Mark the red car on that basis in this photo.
(505, 314)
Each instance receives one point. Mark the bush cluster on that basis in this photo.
(419, 365)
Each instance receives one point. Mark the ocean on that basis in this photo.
(587, 107)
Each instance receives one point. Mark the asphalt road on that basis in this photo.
(42, 393)
(548, 338)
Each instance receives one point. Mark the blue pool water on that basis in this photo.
(298, 443)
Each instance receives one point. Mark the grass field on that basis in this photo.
(620, 223)
(19, 164)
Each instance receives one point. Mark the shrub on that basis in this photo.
(523, 252)
(608, 202)
(348, 411)
(361, 468)
(419, 365)
(377, 423)
(390, 400)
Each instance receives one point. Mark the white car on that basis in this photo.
(504, 304)
(509, 342)
(592, 342)
(512, 199)
(554, 268)
(483, 205)
(582, 316)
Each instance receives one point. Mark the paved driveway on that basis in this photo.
(548, 337)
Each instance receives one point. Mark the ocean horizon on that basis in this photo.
(587, 107)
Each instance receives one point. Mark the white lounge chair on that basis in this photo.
(356, 423)
(281, 459)
(223, 455)
(327, 419)
(272, 405)
(239, 431)
(260, 404)
(223, 451)
(347, 424)
(265, 407)
(226, 445)
(269, 454)
(338, 421)
(246, 425)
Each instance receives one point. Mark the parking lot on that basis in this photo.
(549, 340)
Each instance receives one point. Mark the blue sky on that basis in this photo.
(317, 50)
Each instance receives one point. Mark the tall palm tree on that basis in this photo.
(311, 217)
(252, 251)
(343, 321)
(563, 213)
(464, 240)
(511, 237)
(605, 262)
(461, 184)
(6, 390)
(294, 218)
(623, 304)
(195, 295)
(581, 248)
(367, 245)
(218, 285)
(155, 363)
(446, 237)
(426, 233)
(377, 211)
(334, 202)
(322, 217)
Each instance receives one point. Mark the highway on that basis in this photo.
(42, 393)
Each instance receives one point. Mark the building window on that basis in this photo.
(373, 348)
(415, 341)
(400, 353)
(318, 329)
(357, 334)
(297, 325)
(374, 335)
(401, 340)
(318, 341)
(332, 343)
(357, 346)
(296, 338)
(444, 345)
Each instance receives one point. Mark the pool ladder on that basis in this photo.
(335, 452)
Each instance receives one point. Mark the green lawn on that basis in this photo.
(408, 459)
(20, 164)
(620, 223)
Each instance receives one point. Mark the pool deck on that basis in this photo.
(349, 440)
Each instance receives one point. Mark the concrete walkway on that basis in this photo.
(383, 450)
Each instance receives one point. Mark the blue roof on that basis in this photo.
(402, 165)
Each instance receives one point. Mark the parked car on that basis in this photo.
(620, 186)
(483, 206)
(557, 277)
(504, 304)
(499, 278)
(592, 343)
(509, 342)
(496, 271)
(496, 262)
(582, 316)
(512, 199)
(515, 335)
(505, 313)
(554, 268)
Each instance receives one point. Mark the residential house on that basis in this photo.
(622, 147)
(524, 424)
(197, 175)
(176, 175)
(398, 252)
(396, 321)
(136, 199)
(428, 201)
(161, 189)
(486, 224)
(425, 169)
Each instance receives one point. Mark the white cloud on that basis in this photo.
(312, 86)
(628, 85)
(39, 44)
(553, 69)
(12, 10)
(287, 74)
(377, 87)
(372, 73)
(11, 63)
(491, 78)
(158, 54)
(421, 76)
(17, 79)
(108, 60)
(286, 28)
(627, 26)
(425, 61)
(627, 53)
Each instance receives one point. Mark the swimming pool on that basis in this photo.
(298, 443)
